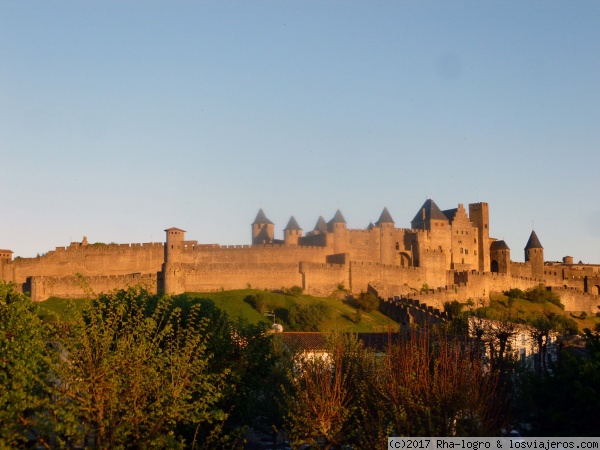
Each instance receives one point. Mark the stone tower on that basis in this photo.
(386, 237)
(480, 216)
(320, 227)
(534, 254)
(337, 226)
(500, 257)
(174, 244)
(263, 230)
(292, 232)
(173, 248)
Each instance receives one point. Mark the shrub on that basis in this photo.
(294, 290)
(515, 293)
(309, 317)
(540, 294)
(454, 308)
(258, 302)
(367, 301)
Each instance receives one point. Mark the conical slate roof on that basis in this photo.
(499, 245)
(292, 225)
(261, 219)
(429, 211)
(338, 218)
(321, 225)
(385, 217)
(533, 242)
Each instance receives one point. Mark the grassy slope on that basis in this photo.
(524, 309)
(232, 302)
(341, 320)
(60, 308)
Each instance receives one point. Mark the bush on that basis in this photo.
(309, 317)
(258, 302)
(367, 301)
(515, 293)
(540, 294)
(454, 308)
(295, 291)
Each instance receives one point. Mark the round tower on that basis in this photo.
(534, 254)
(174, 243)
(263, 230)
(292, 232)
(337, 226)
(387, 245)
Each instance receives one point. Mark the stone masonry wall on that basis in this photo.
(43, 287)
(323, 279)
(89, 260)
(225, 276)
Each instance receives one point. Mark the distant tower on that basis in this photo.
(321, 226)
(337, 226)
(292, 232)
(386, 241)
(534, 253)
(5, 259)
(479, 215)
(263, 230)
(174, 244)
(500, 257)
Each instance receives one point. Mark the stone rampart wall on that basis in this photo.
(89, 260)
(323, 279)
(226, 276)
(252, 254)
(575, 300)
(42, 288)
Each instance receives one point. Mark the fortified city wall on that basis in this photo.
(444, 256)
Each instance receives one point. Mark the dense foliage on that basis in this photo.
(145, 371)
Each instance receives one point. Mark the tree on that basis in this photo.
(25, 372)
(134, 368)
(320, 400)
(431, 385)
(563, 401)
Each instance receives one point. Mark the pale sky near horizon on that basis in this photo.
(119, 119)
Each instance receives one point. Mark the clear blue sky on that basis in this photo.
(119, 119)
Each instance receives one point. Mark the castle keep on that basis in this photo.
(444, 255)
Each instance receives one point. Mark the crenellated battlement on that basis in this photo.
(397, 260)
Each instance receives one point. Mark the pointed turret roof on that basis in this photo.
(338, 218)
(533, 242)
(385, 217)
(370, 226)
(261, 219)
(429, 211)
(321, 225)
(292, 225)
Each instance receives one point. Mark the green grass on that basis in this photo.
(232, 302)
(55, 309)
